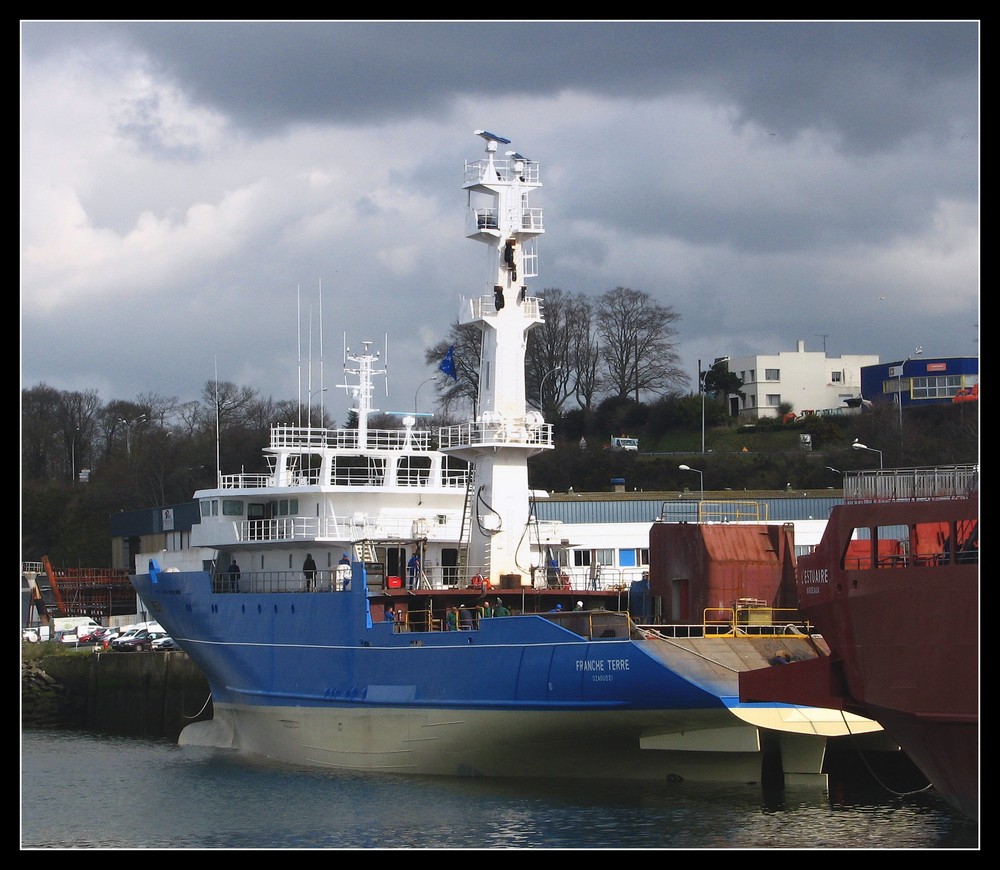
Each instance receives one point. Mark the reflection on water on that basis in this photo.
(83, 790)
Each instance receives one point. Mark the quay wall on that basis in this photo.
(138, 694)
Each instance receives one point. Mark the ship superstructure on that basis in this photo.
(504, 432)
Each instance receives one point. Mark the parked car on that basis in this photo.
(123, 635)
(165, 643)
(29, 635)
(94, 635)
(113, 632)
(70, 638)
(141, 641)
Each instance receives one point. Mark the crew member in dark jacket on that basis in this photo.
(309, 569)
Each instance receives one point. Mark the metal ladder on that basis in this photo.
(465, 537)
(364, 551)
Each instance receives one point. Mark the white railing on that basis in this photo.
(911, 484)
(432, 577)
(342, 475)
(321, 529)
(531, 219)
(307, 439)
(481, 307)
(479, 171)
(516, 430)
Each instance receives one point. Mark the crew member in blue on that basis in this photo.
(413, 571)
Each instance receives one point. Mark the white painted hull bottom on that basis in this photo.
(604, 745)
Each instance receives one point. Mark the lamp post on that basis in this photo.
(417, 391)
(541, 384)
(857, 445)
(128, 424)
(701, 477)
(309, 413)
(701, 389)
(899, 395)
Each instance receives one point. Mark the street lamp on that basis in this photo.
(899, 393)
(857, 445)
(309, 413)
(417, 391)
(128, 424)
(701, 477)
(701, 389)
(541, 384)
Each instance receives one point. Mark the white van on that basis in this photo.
(622, 443)
(69, 629)
(79, 624)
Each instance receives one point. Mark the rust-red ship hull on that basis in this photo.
(893, 588)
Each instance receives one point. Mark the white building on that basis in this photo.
(808, 381)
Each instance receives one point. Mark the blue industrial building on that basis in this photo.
(918, 382)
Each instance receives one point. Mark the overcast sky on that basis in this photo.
(191, 192)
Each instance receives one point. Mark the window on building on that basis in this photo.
(633, 558)
(836, 377)
(210, 507)
(772, 374)
(232, 508)
(935, 388)
(586, 558)
(773, 400)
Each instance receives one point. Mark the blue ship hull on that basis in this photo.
(309, 678)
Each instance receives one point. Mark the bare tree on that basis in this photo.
(80, 411)
(549, 368)
(161, 409)
(230, 403)
(637, 344)
(585, 353)
(467, 340)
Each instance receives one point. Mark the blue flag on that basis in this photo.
(447, 365)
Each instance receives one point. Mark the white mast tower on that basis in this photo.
(504, 432)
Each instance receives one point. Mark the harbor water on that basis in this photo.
(84, 790)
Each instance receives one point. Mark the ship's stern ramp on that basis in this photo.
(799, 732)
